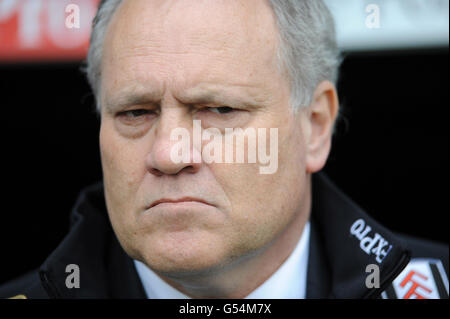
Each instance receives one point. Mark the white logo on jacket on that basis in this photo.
(375, 244)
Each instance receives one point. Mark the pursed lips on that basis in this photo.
(179, 200)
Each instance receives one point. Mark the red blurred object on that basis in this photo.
(45, 30)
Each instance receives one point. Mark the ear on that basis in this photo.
(322, 114)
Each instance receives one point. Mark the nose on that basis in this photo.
(164, 157)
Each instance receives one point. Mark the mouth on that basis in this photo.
(179, 200)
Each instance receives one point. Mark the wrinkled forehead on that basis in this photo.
(240, 29)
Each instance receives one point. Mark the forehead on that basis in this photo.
(184, 41)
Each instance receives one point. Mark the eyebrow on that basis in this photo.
(203, 94)
(128, 98)
(218, 95)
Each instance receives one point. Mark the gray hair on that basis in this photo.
(307, 52)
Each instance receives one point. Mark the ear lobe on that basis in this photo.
(322, 115)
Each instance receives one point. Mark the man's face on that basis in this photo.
(165, 64)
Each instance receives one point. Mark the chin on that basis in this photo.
(178, 256)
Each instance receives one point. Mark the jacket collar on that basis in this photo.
(106, 271)
(344, 241)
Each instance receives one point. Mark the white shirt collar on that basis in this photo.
(288, 282)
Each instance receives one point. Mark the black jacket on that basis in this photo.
(344, 241)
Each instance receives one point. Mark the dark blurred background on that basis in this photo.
(390, 151)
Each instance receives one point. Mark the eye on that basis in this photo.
(221, 109)
(221, 116)
(134, 113)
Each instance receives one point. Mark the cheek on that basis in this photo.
(291, 181)
(263, 204)
(123, 161)
(123, 169)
